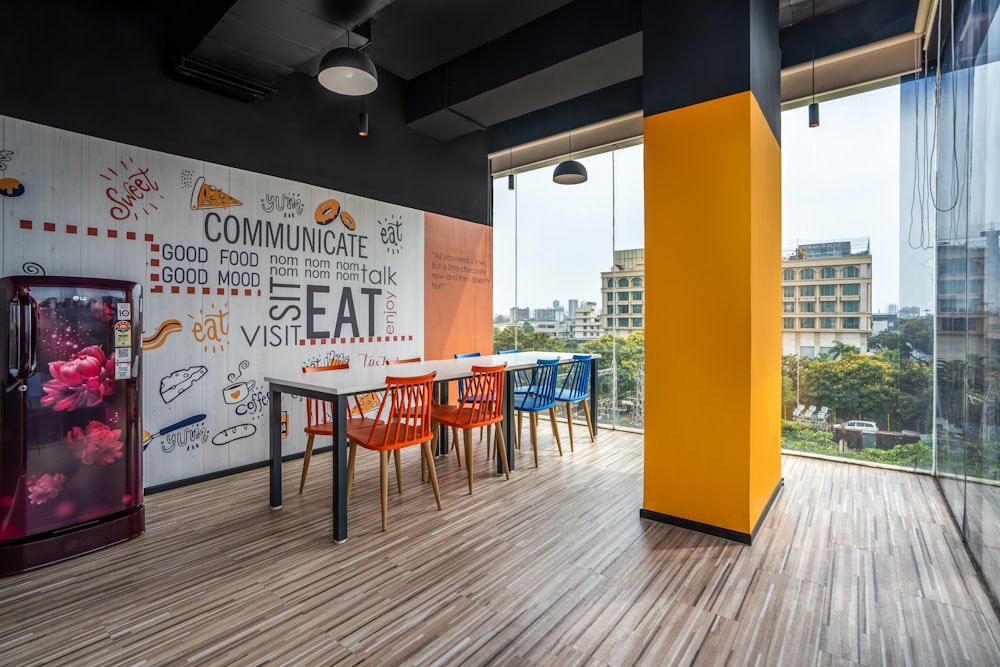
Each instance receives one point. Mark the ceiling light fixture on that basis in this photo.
(814, 106)
(510, 162)
(363, 120)
(348, 71)
(570, 172)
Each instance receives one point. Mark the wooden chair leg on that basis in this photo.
(383, 472)
(454, 445)
(501, 448)
(305, 462)
(352, 452)
(590, 424)
(534, 435)
(467, 437)
(569, 424)
(399, 475)
(488, 449)
(432, 473)
(555, 428)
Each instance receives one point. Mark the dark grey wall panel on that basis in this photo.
(101, 70)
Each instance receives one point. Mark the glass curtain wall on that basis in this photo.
(960, 107)
(569, 272)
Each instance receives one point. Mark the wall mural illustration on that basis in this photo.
(244, 275)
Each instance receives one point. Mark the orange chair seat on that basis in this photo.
(378, 440)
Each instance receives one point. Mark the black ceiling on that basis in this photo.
(472, 64)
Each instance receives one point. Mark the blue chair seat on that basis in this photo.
(576, 389)
(540, 396)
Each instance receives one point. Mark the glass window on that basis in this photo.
(807, 274)
(623, 296)
(850, 306)
(623, 282)
(828, 290)
(788, 274)
(788, 291)
(807, 306)
(623, 310)
(611, 296)
(611, 282)
(807, 351)
(637, 296)
(850, 272)
(611, 323)
(828, 307)
(637, 321)
(850, 322)
(637, 282)
(828, 323)
(611, 309)
(788, 306)
(636, 309)
(623, 321)
(787, 322)
(807, 290)
(828, 272)
(807, 323)
(851, 289)
(824, 350)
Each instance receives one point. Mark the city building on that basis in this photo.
(623, 293)
(968, 319)
(826, 291)
(519, 314)
(586, 322)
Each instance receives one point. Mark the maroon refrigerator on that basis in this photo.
(70, 418)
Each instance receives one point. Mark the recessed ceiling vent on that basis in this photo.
(219, 80)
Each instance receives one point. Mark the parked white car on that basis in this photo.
(863, 426)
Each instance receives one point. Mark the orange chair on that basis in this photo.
(482, 406)
(403, 420)
(319, 420)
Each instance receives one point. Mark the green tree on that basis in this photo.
(884, 340)
(855, 387)
(840, 349)
(527, 328)
(629, 352)
(918, 334)
(504, 339)
(915, 394)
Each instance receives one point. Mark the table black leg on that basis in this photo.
(508, 421)
(593, 395)
(340, 470)
(275, 445)
(442, 398)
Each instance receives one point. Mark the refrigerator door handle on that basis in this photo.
(27, 339)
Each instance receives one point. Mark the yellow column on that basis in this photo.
(713, 316)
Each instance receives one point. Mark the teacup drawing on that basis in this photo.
(238, 391)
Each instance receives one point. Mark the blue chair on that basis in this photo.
(542, 397)
(522, 377)
(576, 389)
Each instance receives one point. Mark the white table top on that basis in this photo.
(356, 380)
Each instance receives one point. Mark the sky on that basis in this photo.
(839, 181)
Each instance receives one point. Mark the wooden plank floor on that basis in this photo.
(554, 567)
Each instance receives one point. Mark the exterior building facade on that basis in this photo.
(826, 291)
(623, 293)
(586, 323)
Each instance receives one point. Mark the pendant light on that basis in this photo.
(570, 172)
(347, 71)
(510, 161)
(814, 106)
(363, 120)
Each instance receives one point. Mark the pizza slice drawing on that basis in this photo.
(204, 195)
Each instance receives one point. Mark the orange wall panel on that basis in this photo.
(458, 287)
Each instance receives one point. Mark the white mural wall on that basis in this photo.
(243, 275)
